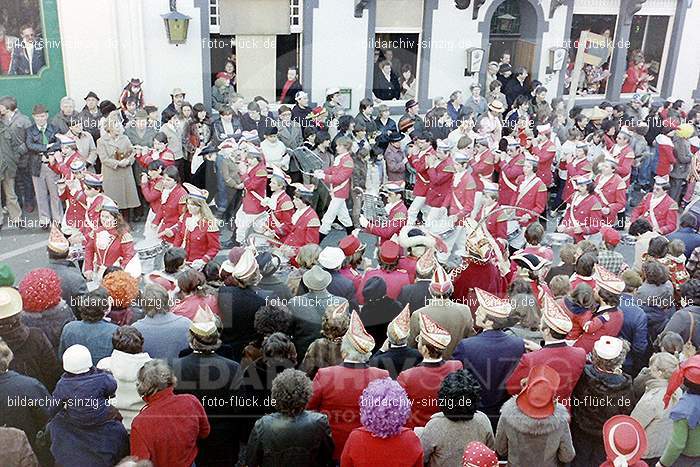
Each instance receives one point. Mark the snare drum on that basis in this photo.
(557, 239)
(150, 251)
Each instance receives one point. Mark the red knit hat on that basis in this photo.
(40, 290)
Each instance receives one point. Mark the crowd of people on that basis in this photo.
(496, 318)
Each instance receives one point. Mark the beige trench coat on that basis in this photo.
(118, 183)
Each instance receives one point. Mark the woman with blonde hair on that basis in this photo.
(305, 260)
(116, 155)
(198, 230)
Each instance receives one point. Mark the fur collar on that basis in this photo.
(524, 424)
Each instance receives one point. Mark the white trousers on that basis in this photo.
(418, 205)
(336, 209)
(244, 222)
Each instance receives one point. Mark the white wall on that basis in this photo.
(688, 68)
(555, 37)
(107, 42)
(339, 50)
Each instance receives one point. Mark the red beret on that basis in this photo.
(40, 290)
(610, 236)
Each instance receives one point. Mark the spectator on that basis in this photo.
(395, 356)
(123, 290)
(685, 321)
(688, 232)
(634, 325)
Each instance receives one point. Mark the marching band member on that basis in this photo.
(396, 209)
(280, 206)
(338, 177)
(172, 200)
(544, 148)
(483, 164)
(70, 190)
(61, 162)
(658, 208)
(159, 152)
(511, 168)
(94, 199)
(152, 190)
(624, 155)
(353, 249)
(441, 172)
(532, 192)
(111, 245)
(198, 232)
(252, 213)
(417, 159)
(576, 165)
(394, 277)
(611, 191)
(463, 199)
(582, 217)
(497, 223)
(304, 222)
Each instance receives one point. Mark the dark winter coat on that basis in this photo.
(634, 331)
(89, 433)
(376, 316)
(690, 237)
(33, 354)
(278, 439)
(680, 323)
(343, 287)
(238, 307)
(525, 440)
(396, 359)
(415, 295)
(273, 288)
(72, 281)
(35, 146)
(50, 321)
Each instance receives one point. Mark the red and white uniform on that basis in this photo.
(419, 164)
(625, 160)
(76, 206)
(496, 224)
(106, 248)
(532, 195)
(398, 213)
(441, 176)
(62, 168)
(166, 156)
(583, 212)
(172, 204)
(280, 220)
(152, 191)
(199, 238)
(661, 212)
(483, 167)
(666, 155)
(546, 152)
(511, 170)
(612, 193)
(463, 194)
(578, 166)
(338, 177)
(305, 226)
(251, 211)
(92, 213)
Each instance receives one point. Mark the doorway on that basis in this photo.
(513, 31)
(287, 56)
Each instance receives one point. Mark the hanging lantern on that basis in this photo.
(176, 25)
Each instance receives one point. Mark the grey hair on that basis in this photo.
(291, 390)
(351, 353)
(67, 100)
(10, 102)
(154, 376)
(6, 356)
(155, 300)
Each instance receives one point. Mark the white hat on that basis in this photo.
(445, 145)
(331, 91)
(77, 359)
(608, 347)
(10, 302)
(300, 95)
(331, 257)
(544, 128)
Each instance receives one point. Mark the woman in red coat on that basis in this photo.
(383, 439)
(152, 190)
(582, 217)
(111, 245)
(305, 223)
(496, 222)
(197, 231)
(172, 201)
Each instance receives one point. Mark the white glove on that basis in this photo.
(319, 174)
(364, 222)
(198, 264)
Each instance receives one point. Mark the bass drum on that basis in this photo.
(516, 235)
(557, 239)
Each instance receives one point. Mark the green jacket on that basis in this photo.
(683, 441)
(9, 151)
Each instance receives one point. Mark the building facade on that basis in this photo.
(98, 45)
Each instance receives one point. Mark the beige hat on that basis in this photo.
(246, 267)
(58, 243)
(399, 327)
(492, 305)
(360, 339)
(606, 280)
(316, 278)
(10, 302)
(432, 333)
(554, 316)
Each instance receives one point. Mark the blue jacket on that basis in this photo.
(634, 331)
(690, 237)
(491, 356)
(343, 287)
(19, 64)
(35, 145)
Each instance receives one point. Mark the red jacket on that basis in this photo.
(63, 168)
(280, 220)
(605, 323)
(507, 183)
(398, 214)
(532, 195)
(625, 161)
(337, 391)
(152, 191)
(118, 250)
(666, 155)
(365, 449)
(546, 153)
(92, 214)
(497, 224)
(567, 361)
(438, 195)
(463, 194)
(166, 156)
(202, 242)
(612, 194)
(573, 170)
(189, 306)
(422, 384)
(76, 204)
(483, 167)
(167, 429)
(304, 230)
(584, 213)
(339, 176)
(255, 184)
(408, 264)
(663, 216)
(420, 188)
(168, 216)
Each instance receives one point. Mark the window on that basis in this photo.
(646, 53)
(214, 22)
(594, 79)
(399, 51)
(295, 16)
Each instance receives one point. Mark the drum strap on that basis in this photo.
(652, 214)
(507, 181)
(599, 190)
(525, 189)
